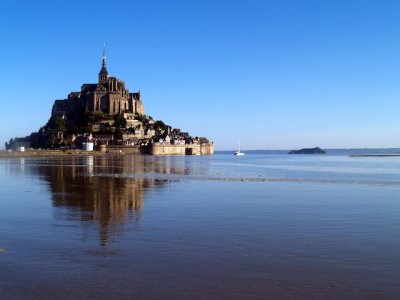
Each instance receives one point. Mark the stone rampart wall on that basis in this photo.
(160, 149)
(123, 149)
(206, 149)
(187, 149)
(167, 149)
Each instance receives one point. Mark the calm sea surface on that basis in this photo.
(221, 227)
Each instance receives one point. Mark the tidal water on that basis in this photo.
(261, 226)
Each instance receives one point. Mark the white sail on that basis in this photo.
(238, 153)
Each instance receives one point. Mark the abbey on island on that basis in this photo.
(108, 116)
(108, 96)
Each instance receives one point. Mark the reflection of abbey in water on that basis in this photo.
(110, 201)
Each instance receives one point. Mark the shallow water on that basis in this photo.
(221, 227)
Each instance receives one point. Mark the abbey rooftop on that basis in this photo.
(106, 115)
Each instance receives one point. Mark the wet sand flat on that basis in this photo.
(103, 228)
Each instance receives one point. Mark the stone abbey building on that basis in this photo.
(110, 118)
(108, 96)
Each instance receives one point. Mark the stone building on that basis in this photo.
(108, 96)
(109, 116)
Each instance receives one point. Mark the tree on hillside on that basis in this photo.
(120, 121)
(118, 134)
(141, 118)
(159, 125)
(56, 123)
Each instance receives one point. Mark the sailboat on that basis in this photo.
(238, 153)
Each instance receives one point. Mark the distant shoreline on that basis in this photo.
(374, 155)
(356, 152)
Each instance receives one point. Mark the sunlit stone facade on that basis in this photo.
(108, 96)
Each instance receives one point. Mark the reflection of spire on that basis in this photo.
(103, 234)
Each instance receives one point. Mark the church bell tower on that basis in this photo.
(103, 74)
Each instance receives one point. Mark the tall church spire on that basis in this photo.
(103, 75)
(104, 55)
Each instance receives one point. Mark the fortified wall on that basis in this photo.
(160, 149)
(187, 149)
(124, 149)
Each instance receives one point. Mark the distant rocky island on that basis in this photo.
(315, 150)
(106, 116)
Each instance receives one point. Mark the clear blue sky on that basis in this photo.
(274, 74)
